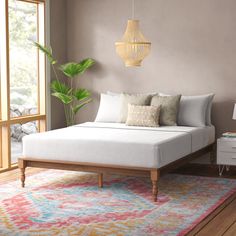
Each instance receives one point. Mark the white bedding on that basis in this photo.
(118, 144)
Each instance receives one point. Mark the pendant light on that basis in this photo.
(133, 47)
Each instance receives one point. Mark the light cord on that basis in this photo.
(133, 9)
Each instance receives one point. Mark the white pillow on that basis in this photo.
(113, 93)
(192, 111)
(209, 106)
(109, 109)
(195, 110)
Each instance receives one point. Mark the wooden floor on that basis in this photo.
(221, 222)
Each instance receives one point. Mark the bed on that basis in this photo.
(116, 148)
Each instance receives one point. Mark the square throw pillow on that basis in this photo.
(109, 109)
(169, 108)
(134, 99)
(143, 116)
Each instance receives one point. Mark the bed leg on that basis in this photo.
(100, 180)
(22, 166)
(22, 177)
(154, 178)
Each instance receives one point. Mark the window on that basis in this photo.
(22, 73)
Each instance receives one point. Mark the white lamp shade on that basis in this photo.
(234, 112)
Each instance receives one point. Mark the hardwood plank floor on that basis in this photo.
(231, 231)
(220, 222)
(13, 175)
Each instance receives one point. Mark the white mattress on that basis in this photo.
(118, 144)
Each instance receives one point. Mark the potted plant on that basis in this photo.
(73, 98)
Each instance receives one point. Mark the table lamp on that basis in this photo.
(231, 134)
(234, 112)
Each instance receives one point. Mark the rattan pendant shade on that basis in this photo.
(133, 47)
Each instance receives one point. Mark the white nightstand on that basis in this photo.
(226, 153)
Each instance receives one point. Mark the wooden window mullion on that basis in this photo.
(33, 1)
(5, 85)
(42, 67)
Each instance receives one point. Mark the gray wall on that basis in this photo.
(58, 43)
(193, 49)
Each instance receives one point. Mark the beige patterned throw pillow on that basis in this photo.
(135, 99)
(169, 108)
(143, 116)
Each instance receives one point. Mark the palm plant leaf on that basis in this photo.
(81, 94)
(61, 91)
(79, 106)
(70, 69)
(73, 69)
(57, 86)
(47, 52)
(64, 98)
(85, 64)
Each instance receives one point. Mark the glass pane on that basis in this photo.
(18, 131)
(23, 58)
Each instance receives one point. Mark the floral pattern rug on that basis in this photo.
(70, 203)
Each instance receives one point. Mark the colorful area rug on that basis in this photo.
(70, 203)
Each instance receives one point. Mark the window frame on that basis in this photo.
(43, 77)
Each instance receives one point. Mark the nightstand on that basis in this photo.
(226, 153)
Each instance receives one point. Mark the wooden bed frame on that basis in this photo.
(153, 173)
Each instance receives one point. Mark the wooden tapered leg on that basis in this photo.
(22, 166)
(22, 177)
(100, 180)
(154, 178)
